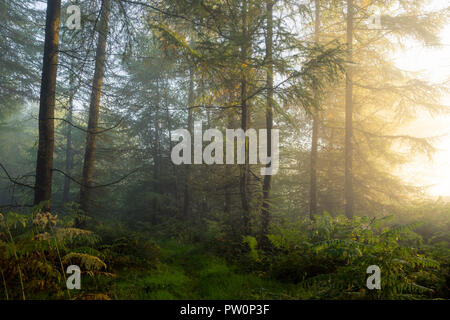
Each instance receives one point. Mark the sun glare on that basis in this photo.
(433, 63)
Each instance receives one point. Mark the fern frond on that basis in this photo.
(88, 262)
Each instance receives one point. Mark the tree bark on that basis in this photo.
(94, 108)
(44, 164)
(315, 131)
(265, 212)
(348, 188)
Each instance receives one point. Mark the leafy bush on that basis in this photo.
(329, 258)
(34, 252)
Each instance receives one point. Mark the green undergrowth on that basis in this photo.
(188, 273)
(322, 259)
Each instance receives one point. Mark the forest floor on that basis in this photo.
(186, 272)
(324, 259)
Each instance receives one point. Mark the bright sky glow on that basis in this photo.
(434, 65)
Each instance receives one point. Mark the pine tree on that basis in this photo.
(44, 166)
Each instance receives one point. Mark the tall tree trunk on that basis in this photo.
(157, 146)
(315, 131)
(44, 164)
(169, 129)
(69, 153)
(187, 186)
(228, 171)
(265, 212)
(348, 189)
(94, 108)
(245, 117)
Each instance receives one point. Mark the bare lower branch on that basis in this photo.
(100, 185)
(14, 180)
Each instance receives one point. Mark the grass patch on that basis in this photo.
(189, 273)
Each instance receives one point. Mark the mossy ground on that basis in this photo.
(186, 272)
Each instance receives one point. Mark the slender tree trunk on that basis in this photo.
(228, 199)
(69, 153)
(315, 132)
(348, 190)
(228, 171)
(94, 108)
(44, 164)
(157, 146)
(210, 182)
(169, 129)
(265, 212)
(188, 183)
(231, 221)
(245, 117)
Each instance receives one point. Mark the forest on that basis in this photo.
(224, 149)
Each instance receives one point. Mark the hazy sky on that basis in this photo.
(434, 65)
